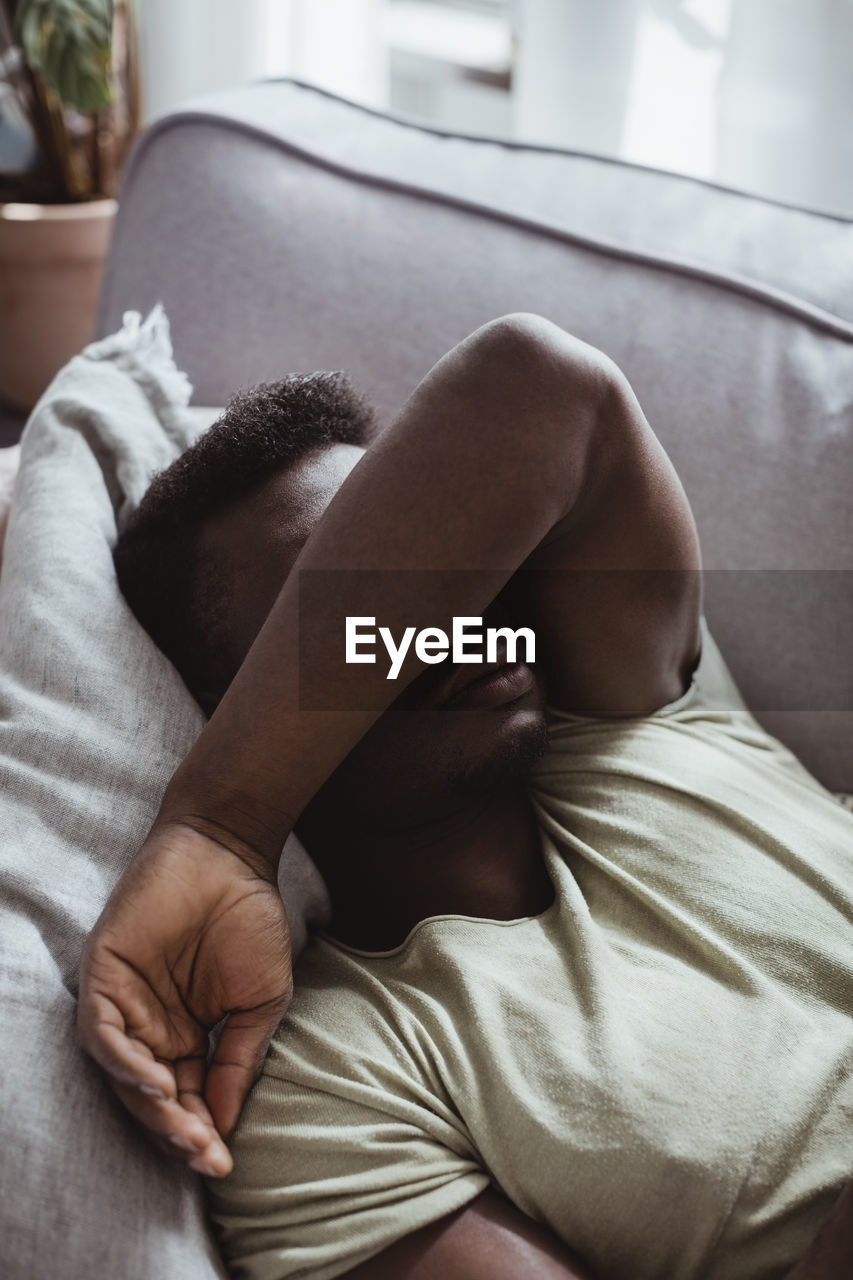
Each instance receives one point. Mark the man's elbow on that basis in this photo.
(526, 358)
(536, 384)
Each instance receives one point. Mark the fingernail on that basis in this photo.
(184, 1144)
(202, 1167)
(151, 1091)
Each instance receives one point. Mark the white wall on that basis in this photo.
(338, 44)
(785, 102)
(751, 93)
(188, 47)
(572, 71)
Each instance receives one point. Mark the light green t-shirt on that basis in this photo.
(659, 1067)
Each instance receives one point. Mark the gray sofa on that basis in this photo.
(285, 229)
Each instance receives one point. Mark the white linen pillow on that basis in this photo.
(93, 721)
(8, 470)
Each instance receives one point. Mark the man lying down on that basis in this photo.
(582, 1009)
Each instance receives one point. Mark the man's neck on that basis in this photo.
(484, 860)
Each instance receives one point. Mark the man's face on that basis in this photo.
(454, 732)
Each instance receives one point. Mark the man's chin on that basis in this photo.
(514, 749)
(392, 780)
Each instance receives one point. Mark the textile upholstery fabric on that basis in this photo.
(93, 722)
(345, 239)
(8, 470)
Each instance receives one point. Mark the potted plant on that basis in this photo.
(68, 109)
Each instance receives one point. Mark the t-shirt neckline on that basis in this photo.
(445, 918)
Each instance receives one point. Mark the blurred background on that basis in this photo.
(752, 94)
(755, 94)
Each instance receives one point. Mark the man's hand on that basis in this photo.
(192, 932)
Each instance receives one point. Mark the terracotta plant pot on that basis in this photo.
(51, 260)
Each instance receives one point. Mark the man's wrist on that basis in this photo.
(235, 829)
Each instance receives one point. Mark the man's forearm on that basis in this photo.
(492, 450)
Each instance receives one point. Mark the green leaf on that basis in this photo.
(95, 91)
(69, 43)
(60, 70)
(53, 47)
(29, 34)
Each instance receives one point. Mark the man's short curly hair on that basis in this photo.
(179, 595)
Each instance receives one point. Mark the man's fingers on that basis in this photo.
(189, 1077)
(182, 1132)
(238, 1060)
(182, 1124)
(126, 1059)
(167, 1100)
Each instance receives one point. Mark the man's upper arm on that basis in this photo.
(614, 591)
(343, 1145)
(489, 1239)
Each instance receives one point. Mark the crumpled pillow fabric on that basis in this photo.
(93, 722)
